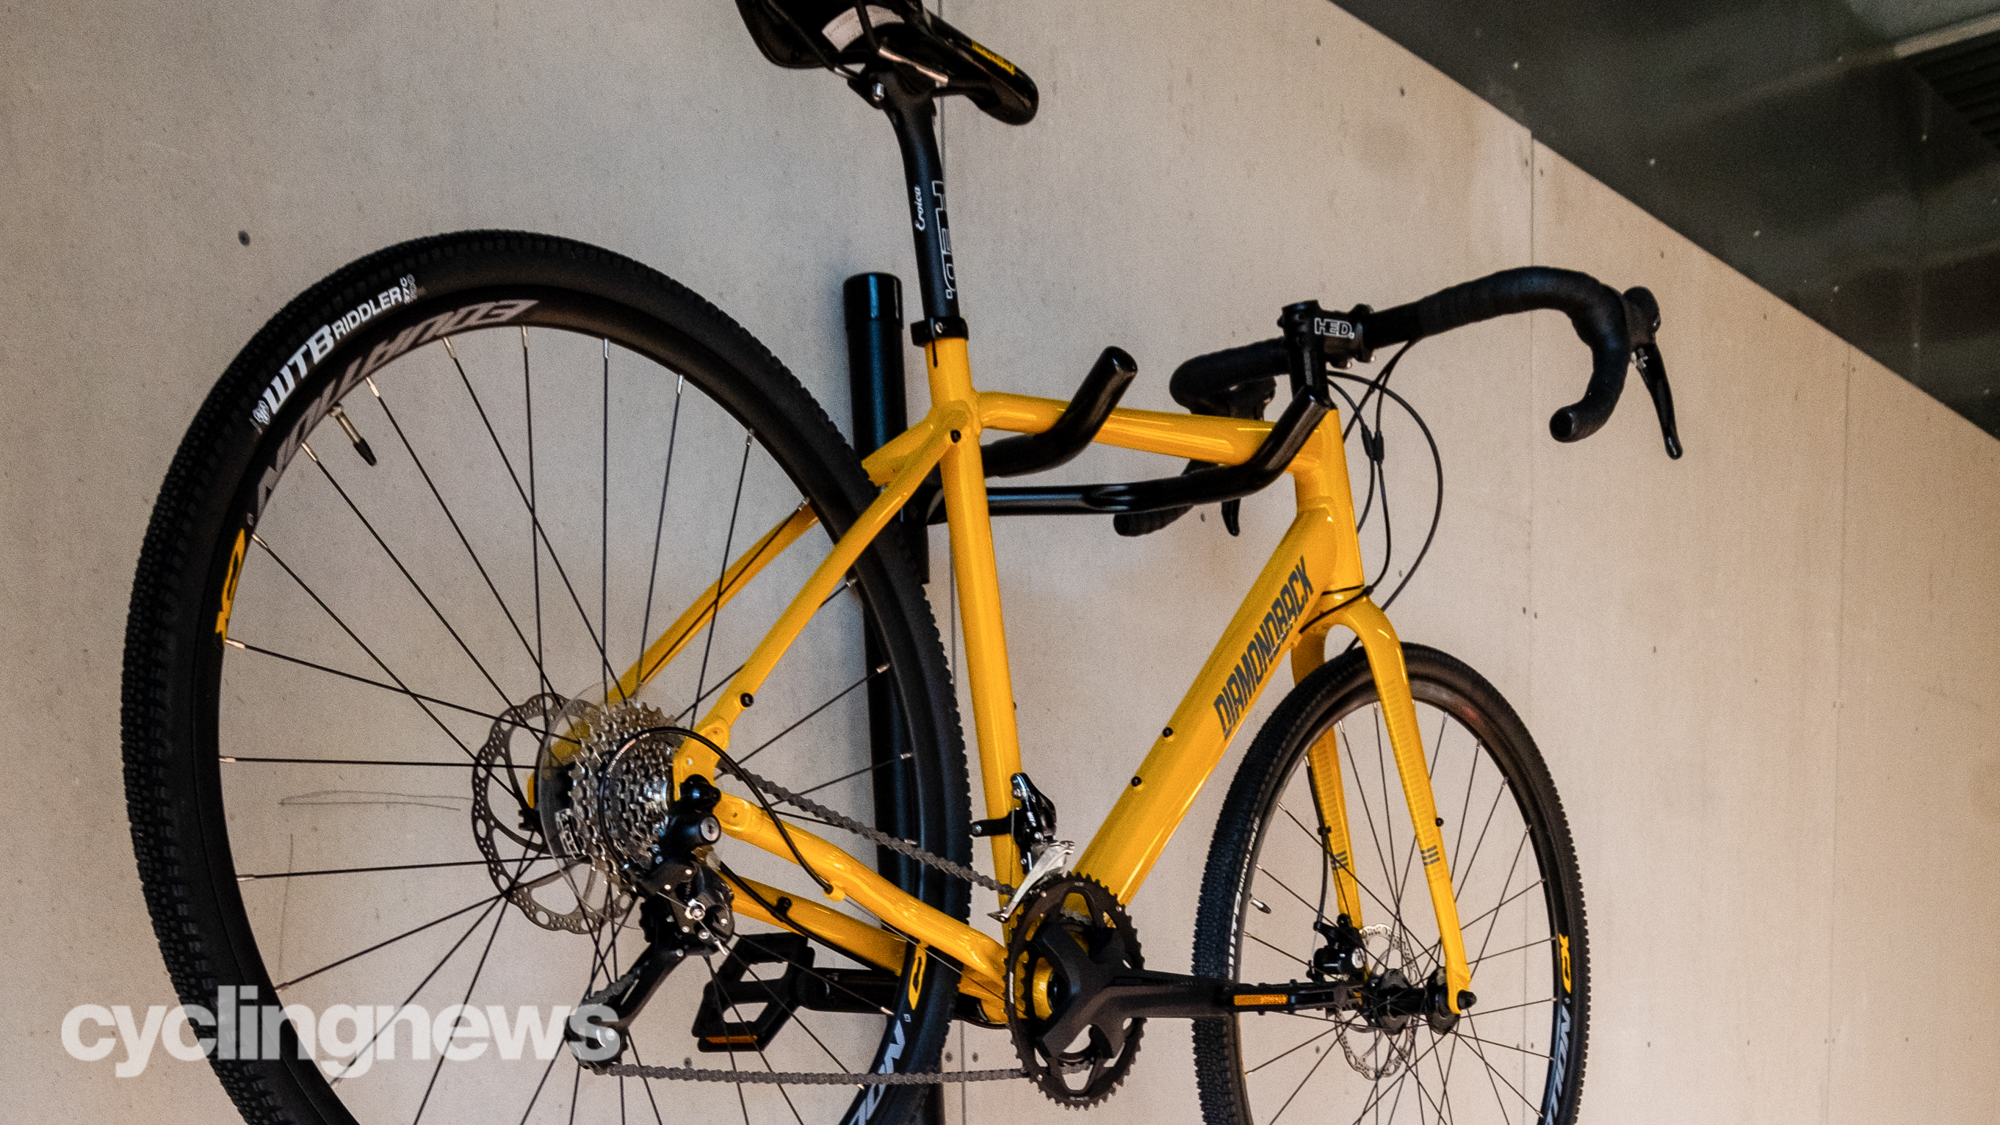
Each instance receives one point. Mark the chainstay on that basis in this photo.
(893, 843)
(806, 1077)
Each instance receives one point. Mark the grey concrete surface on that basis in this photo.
(1762, 675)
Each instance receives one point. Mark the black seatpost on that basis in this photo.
(912, 109)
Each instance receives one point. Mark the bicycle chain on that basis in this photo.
(806, 1077)
(895, 844)
(833, 1078)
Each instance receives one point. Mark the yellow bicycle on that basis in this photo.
(689, 832)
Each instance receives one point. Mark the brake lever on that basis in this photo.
(1654, 372)
(1642, 319)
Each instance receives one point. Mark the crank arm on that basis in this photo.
(1145, 994)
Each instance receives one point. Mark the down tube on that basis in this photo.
(1186, 752)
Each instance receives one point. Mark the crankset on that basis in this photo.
(1079, 993)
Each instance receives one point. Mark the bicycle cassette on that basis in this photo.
(1071, 939)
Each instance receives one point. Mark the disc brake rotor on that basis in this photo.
(1391, 1050)
(573, 897)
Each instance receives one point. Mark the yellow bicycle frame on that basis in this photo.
(1313, 582)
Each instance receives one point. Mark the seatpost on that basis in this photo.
(911, 107)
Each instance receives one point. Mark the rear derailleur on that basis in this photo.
(684, 909)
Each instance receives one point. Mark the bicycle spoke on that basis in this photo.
(856, 773)
(1465, 806)
(837, 697)
(740, 1100)
(1499, 1102)
(1504, 1046)
(614, 976)
(1264, 871)
(397, 426)
(1495, 1072)
(1502, 905)
(1445, 1069)
(1423, 1095)
(1380, 1093)
(405, 688)
(1437, 746)
(1275, 949)
(738, 1013)
(428, 977)
(724, 681)
(742, 568)
(1485, 1011)
(511, 887)
(601, 953)
(232, 760)
(469, 986)
(1516, 949)
(728, 544)
(1465, 873)
(575, 1087)
(647, 1083)
(537, 1095)
(419, 697)
(721, 682)
(367, 870)
(604, 531)
(535, 537)
(660, 523)
(1368, 814)
(1505, 899)
(1324, 1055)
(1291, 1050)
(793, 1014)
(536, 534)
(405, 571)
(1321, 845)
(1388, 818)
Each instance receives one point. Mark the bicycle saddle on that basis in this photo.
(846, 37)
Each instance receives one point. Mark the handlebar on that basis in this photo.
(1595, 311)
(1615, 327)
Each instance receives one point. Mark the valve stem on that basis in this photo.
(353, 435)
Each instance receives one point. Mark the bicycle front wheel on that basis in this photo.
(456, 492)
(1270, 894)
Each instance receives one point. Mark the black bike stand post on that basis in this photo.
(873, 304)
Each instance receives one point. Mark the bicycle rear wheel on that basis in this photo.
(1517, 1053)
(456, 486)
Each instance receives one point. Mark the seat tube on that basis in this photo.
(974, 569)
(943, 335)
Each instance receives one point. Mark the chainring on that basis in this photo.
(1067, 940)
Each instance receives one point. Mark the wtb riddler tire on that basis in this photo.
(1517, 1053)
(457, 475)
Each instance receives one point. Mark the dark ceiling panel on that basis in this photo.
(1783, 136)
(1967, 75)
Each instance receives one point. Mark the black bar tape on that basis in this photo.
(1595, 311)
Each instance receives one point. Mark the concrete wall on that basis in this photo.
(1762, 675)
